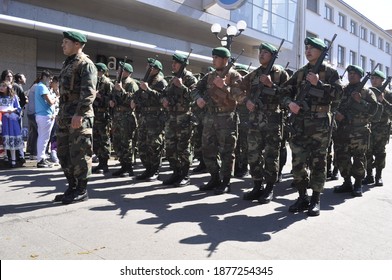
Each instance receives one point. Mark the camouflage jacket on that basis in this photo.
(104, 88)
(384, 110)
(123, 98)
(78, 79)
(180, 96)
(152, 98)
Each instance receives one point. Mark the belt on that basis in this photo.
(151, 109)
(220, 109)
(320, 108)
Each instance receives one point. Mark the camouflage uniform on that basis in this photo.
(219, 127)
(101, 133)
(310, 141)
(78, 79)
(124, 125)
(265, 129)
(241, 149)
(178, 129)
(352, 137)
(151, 126)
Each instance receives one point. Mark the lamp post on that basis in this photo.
(231, 32)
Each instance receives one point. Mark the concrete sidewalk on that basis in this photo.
(129, 220)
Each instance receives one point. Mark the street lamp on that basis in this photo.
(231, 32)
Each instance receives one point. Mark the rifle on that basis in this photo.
(365, 80)
(229, 65)
(300, 100)
(183, 65)
(341, 76)
(250, 64)
(256, 97)
(119, 77)
(385, 84)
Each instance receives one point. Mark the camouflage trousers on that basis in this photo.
(309, 152)
(150, 140)
(75, 149)
(241, 149)
(196, 141)
(376, 153)
(101, 138)
(351, 144)
(178, 133)
(123, 131)
(219, 138)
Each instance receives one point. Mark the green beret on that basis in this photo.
(268, 47)
(155, 63)
(75, 36)
(356, 69)
(241, 68)
(379, 74)
(221, 52)
(180, 58)
(101, 67)
(126, 66)
(315, 42)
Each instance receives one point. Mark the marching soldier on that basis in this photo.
(178, 128)
(219, 96)
(147, 101)
(101, 133)
(312, 123)
(265, 123)
(78, 79)
(352, 135)
(124, 120)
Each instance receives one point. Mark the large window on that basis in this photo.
(353, 27)
(380, 43)
(362, 62)
(342, 21)
(353, 57)
(328, 13)
(387, 48)
(330, 52)
(312, 5)
(363, 33)
(372, 64)
(387, 71)
(372, 39)
(341, 57)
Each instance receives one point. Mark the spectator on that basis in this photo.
(33, 130)
(54, 90)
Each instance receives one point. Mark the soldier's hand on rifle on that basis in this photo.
(118, 86)
(144, 86)
(339, 116)
(266, 80)
(250, 105)
(294, 107)
(165, 102)
(111, 103)
(177, 82)
(356, 96)
(219, 82)
(312, 78)
(201, 102)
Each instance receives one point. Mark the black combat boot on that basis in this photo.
(267, 195)
(80, 194)
(314, 205)
(121, 171)
(221, 188)
(212, 183)
(173, 178)
(201, 167)
(357, 190)
(347, 186)
(378, 182)
(256, 192)
(154, 174)
(102, 167)
(72, 183)
(335, 174)
(302, 202)
(184, 179)
(369, 179)
(146, 174)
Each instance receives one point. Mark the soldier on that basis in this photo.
(380, 130)
(219, 96)
(124, 119)
(352, 135)
(101, 133)
(241, 149)
(178, 129)
(311, 124)
(78, 79)
(265, 123)
(147, 101)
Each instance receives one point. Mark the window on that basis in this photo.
(372, 39)
(353, 57)
(329, 55)
(342, 21)
(363, 33)
(372, 64)
(310, 34)
(329, 13)
(353, 27)
(362, 62)
(387, 71)
(312, 5)
(380, 43)
(387, 48)
(341, 57)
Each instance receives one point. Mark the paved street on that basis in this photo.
(129, 220)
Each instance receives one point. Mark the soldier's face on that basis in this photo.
(176, 66)
(353, 77)
(376, 81)
(69, 47)
(219, 62)
(312, 53)
(264, 57)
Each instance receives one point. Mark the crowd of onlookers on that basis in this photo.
(39, 103)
